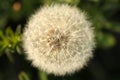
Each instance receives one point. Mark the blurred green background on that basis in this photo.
(105, 16)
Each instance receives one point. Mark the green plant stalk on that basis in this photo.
(42, 75)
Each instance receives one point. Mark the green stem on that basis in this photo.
(42, 75)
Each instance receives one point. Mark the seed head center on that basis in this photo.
(56, 39)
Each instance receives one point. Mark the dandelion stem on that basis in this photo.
(42, 75)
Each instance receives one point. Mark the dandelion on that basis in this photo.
(59, 39)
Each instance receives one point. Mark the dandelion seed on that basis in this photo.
(59, 39)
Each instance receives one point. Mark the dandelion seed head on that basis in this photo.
(59, 39)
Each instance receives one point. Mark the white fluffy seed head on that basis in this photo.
(59, 39)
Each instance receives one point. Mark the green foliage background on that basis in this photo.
(105, 16)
